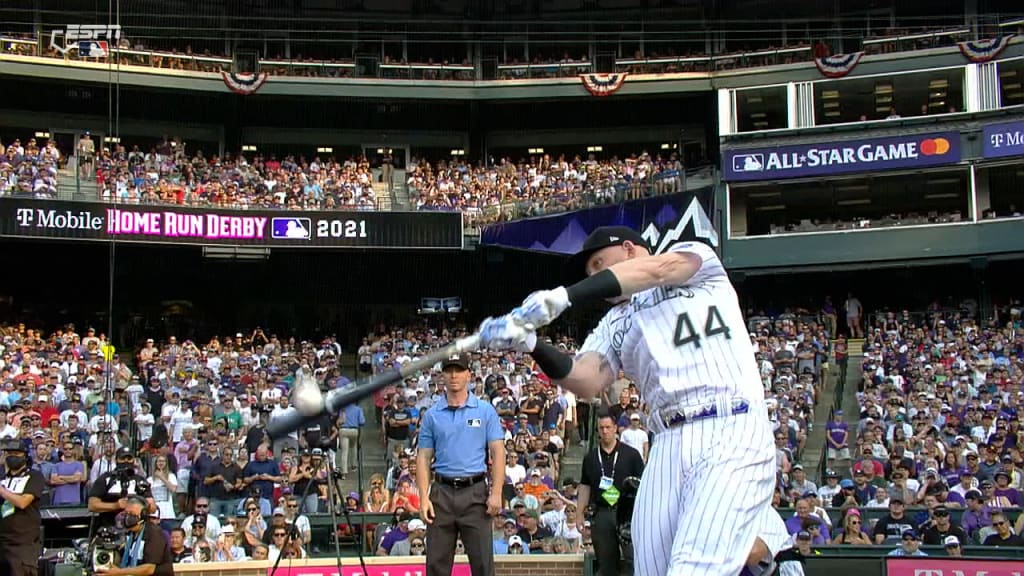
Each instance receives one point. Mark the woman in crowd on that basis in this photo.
(406, 497)
(228, 547)
(417, 547)
(375, 501)
(852, 532)
(377, 498)
(254, 524)
(301, 476)
(164, 485)
(950, 470)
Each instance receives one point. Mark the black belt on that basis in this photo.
(461, 481)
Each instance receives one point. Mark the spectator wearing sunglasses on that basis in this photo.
(285, 541)
(1002, 535)
(939, 528)
(202, 510)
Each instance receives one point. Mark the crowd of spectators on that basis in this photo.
(938, 436)
(540, 185)
(169, 174)
(939, 429)
(26, 169)
(196, 415)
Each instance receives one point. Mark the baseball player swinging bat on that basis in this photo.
(675, 328)
(308, 403)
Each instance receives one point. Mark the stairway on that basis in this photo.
(70, 187)
(834, 396)
(399, 192)
(855, 346)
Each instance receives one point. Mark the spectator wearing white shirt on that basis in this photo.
(180, 419)
(291, 440)
(635, 436)
(881, 499)
(145, 421)
(75, 409)
(515, 473)
(102, 417)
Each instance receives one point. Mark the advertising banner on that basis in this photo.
(662, 220)
(30, 218)
(848, 157)
(1001, 140)
(406, 569)
(924, 566)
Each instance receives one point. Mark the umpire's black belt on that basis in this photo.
(461, 481)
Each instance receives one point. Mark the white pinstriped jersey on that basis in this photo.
(682, 344)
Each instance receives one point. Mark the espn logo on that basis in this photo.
(79, 35)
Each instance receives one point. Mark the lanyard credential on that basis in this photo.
(609, 492)
(132, 551)
(600, 460)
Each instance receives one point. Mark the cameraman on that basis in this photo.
(110, 492)
(146, 552)
(20, 492)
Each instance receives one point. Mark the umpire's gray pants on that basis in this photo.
(460, 512)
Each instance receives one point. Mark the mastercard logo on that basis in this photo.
(934, 146)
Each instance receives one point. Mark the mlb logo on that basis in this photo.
(290, 228)
(93, 49)
(748, 163)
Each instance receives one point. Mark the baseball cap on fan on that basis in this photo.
(602, 237)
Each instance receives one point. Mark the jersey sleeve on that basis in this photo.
(710, 267)
(603, 339)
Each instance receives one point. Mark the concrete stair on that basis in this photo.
(855, 346)
(70, 187)
(833, 396)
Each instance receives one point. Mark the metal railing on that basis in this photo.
(373, 66)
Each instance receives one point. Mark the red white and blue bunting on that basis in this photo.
(244, 84)
(603, 84)
(839, 65)
(984, 50)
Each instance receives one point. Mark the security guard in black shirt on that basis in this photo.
(602, 486)
(20, 493)
(109, 494)
(146, 552)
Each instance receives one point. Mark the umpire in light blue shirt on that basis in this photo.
(457, 434)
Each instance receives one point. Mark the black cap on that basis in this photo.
(602, 237)
(124, 452)
(460, 360)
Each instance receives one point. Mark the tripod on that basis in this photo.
(333, 493)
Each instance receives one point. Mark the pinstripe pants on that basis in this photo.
(705, 496)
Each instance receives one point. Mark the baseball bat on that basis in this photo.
(336, 400)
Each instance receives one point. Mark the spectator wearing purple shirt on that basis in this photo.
(804, 510)
(398, 533)
(977, 515)
(67, 478)
(838, 434)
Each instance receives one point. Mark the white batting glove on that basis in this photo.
(503, 333)
(541, 308)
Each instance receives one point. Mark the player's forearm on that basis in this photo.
(591, 374)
